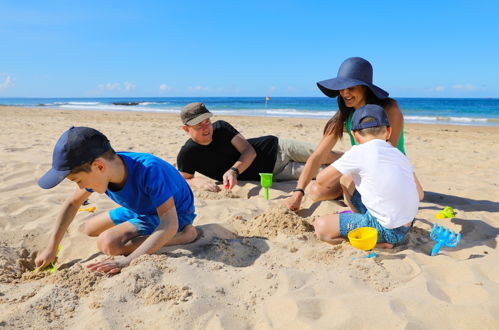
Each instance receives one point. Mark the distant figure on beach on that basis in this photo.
(386, 193)
(354, 88)
(221, 153)
(157, 204)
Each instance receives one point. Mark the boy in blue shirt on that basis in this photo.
(157, 203)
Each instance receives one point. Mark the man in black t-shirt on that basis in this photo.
(221, 153)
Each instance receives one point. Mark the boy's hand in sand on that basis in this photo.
(45, 257)
(109, 266)
(293, 202)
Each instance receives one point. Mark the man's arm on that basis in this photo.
(248, 155)
(68, 212)
(201, 183)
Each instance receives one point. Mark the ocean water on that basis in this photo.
(454, 111)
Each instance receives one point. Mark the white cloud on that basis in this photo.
(9, 81)
(467, 87)
(198, 88)
(129, 85)
(164, 87)
(109, 86)
(116, 86)
(272, 89)
(439, 89)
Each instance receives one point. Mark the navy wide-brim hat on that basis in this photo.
(352, 72)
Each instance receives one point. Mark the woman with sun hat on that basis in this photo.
(353, 86)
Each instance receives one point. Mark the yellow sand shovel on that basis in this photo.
(50, 267)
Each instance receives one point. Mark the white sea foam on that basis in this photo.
(171, 107)
(447, 120)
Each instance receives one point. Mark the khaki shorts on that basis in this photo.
(291, 158)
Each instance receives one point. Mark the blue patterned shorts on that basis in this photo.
(350, 221)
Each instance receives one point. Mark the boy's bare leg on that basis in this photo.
(348, 187)
(97, 224)
(327, 229)
(124, 239)
(119, 239)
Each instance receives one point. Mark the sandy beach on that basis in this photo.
(255, 265)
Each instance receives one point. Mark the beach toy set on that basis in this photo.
(363, 238)
(447, 213)
(443, 236)
(90, 209)
(266, 182)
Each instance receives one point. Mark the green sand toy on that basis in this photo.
(50, 267)
(447, 213)
(266, 182)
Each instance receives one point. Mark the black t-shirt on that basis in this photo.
(215, 159)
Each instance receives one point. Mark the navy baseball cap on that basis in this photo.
(369, 110)
(75, 147)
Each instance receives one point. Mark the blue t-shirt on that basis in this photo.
(150, 182)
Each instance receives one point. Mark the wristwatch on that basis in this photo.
(235, 170)
(300, 190)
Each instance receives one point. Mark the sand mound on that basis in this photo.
(271, 223)
(49, 308)
(77, 278)
(166, 293)
(14, 263)
(223, 194)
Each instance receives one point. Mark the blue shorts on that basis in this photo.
(146, 224)
(350, 221)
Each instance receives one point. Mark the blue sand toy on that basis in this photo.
(370, 255)
(443, 237)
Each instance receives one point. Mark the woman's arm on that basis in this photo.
(321, 155)
(396, 121)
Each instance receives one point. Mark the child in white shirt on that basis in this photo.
(386, 194)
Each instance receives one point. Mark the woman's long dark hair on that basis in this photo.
(336, 124)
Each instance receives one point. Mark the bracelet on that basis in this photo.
(300, 190)
(235, 170)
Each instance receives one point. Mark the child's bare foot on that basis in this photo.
(384, 246)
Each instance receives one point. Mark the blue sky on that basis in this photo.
(251, 48)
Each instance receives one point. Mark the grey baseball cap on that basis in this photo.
(194, 113)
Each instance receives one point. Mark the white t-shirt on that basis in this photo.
(385, 180)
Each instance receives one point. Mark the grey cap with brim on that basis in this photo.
(194, 113)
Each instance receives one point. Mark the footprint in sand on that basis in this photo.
(401, 268)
